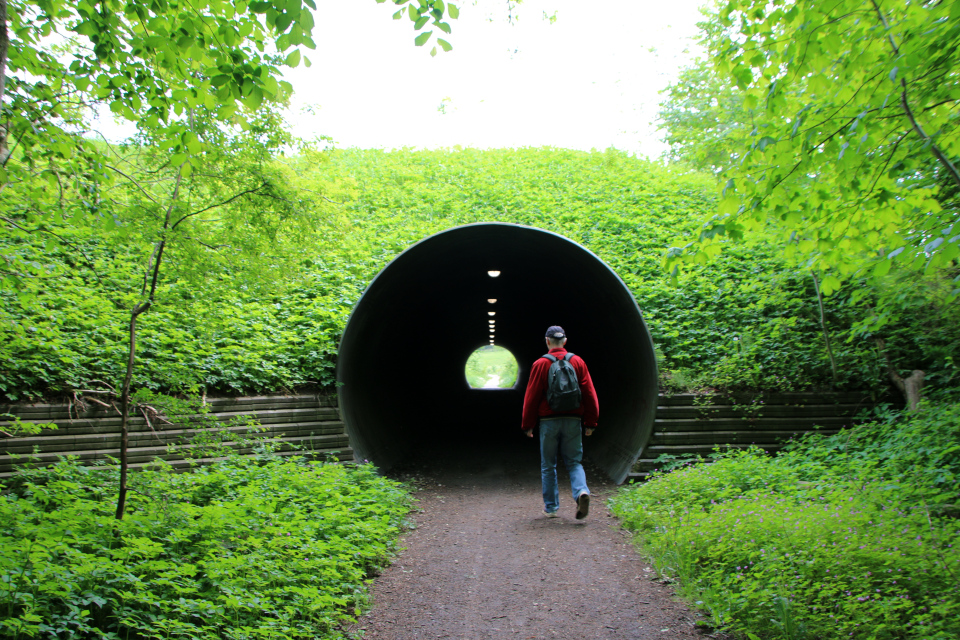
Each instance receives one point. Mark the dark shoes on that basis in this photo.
(583, 505)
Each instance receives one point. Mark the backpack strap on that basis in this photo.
(549, 357)
(568, 356)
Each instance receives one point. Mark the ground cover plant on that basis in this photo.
(746, 320)
(854, 535)
(259, 547)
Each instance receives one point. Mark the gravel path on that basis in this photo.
(484, 563)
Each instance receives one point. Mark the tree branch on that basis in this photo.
(135, 183)
(219, 204)
(934, 148)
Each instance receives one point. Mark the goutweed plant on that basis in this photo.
(265, 547)
(853, 535)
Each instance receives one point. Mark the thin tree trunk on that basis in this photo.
(125, 409)
(4, 47)
(823, 327)
(151, 274)
(125, 392)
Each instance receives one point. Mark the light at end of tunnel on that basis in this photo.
(491, 313)
(493, 274)
(492, 300)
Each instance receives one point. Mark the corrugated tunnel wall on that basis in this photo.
(402, 356)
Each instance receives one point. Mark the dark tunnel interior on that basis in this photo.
(401, 360)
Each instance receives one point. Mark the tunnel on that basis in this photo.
(400, 367)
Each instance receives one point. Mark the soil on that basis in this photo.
(483, 562)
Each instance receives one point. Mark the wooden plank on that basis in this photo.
(263, 416)
(797, 398)
(53, 444)
(728, 437)
(45, 412)
(727, 411)
(343, 455)
(145, 454)
(726, 424)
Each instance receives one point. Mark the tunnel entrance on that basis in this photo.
(400, 366)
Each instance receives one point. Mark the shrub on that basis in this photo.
(246, 548)
(847, 536)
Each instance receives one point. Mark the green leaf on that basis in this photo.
(283, 21)
(829, 284)
(419, 23)
(444, 27)
(421, 39)
(446, 46)
(433, 52)
(765, 142)
(453, 11)
(398, 15)
(293, 59)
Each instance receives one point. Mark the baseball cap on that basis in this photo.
(556, 332)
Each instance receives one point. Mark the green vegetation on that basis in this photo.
(852, 535)
(216, 253)
(491, 366)
(264, 547)
(224, 323)
(834, 129)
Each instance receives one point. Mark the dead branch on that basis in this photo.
(149, 424)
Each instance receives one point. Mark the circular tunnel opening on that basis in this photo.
(491, 367)
(400, 367)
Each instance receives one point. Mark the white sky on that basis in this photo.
(589, 80)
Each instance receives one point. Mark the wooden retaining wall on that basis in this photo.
(696, 424)
(299, 424)
(310, 424)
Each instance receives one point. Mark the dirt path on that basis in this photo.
(484, 563)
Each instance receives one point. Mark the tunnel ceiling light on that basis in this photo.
(493, 274)
(491, 313)
(492, 300)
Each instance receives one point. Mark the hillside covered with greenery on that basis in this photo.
(747, 319)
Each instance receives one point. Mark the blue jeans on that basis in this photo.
(561, 435)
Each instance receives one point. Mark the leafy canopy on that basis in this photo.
(853, 132)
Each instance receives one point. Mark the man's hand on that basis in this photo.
(528, 433)
(588, 431)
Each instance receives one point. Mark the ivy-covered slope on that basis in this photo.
(745, 320)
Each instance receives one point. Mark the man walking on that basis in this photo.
(551, 383)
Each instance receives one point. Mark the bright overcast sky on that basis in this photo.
(589, 80)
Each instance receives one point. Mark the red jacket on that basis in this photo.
(535, 399)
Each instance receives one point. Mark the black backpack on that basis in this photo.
(563, 390)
